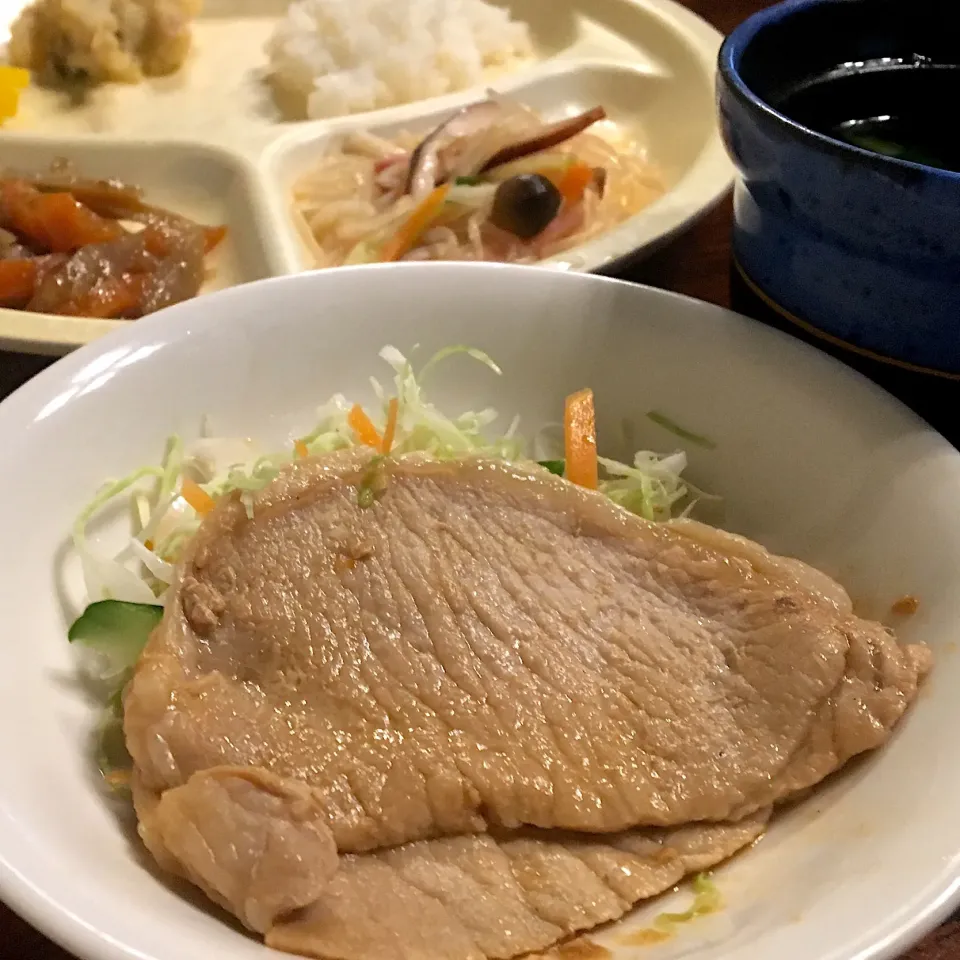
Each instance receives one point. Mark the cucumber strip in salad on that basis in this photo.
(116, 631)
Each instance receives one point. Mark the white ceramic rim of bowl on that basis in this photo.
(24, 893)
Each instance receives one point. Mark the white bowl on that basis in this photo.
(812, 459)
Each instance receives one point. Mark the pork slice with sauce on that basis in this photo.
(266, 857)
(480, 649)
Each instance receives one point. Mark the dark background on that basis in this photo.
(697, 264)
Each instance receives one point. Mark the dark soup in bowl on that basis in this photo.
(896, 106)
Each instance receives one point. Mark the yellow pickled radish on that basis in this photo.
(12, 81)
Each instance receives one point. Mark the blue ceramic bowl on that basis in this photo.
(859, 248)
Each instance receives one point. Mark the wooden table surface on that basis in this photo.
(697, 264)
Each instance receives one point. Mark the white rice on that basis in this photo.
(347, 56)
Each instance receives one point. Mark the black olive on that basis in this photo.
(525, 204)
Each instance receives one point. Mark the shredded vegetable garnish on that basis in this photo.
(196, 496)
(169, 499)
(556, 467)
(580, 439)
(662, 420)
(575, 181)
(418, 221)
(390, 430)
(363, 427)
(706, 900)
(371, 484)
(651, 488)
(112, 635)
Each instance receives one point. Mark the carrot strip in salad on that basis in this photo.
(363, 427)
(117, 779)
(580, 439)
(390, 430)
(418, 221)
(196, 496)
(212, 236)
(575, 180)
(300, 449)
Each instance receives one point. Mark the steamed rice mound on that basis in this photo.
(333, 57)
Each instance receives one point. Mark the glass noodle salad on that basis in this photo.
(493, 181)
(125, 590)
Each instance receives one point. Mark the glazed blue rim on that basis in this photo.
(731, 53)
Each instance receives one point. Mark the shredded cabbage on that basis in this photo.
(652, 486)
(706, 900)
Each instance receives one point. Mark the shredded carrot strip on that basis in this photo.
(580, 439)
(363, 427)
(300, 448)
(390, 430)
(148, 544)
(196, 496)
(117, 778)
(574, 182)
(418, 221)
(212, 237)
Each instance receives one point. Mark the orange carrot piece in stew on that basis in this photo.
(111, 298)
(18, 278)
(158, 242)
(17, 199)
(70, 225)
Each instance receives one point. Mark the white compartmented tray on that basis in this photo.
(209, 142)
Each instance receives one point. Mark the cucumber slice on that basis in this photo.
(116, 632)
(554, 466)
(116, 629)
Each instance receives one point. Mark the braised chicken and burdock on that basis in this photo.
(95, 248)
(493, 181)
(404, 692)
